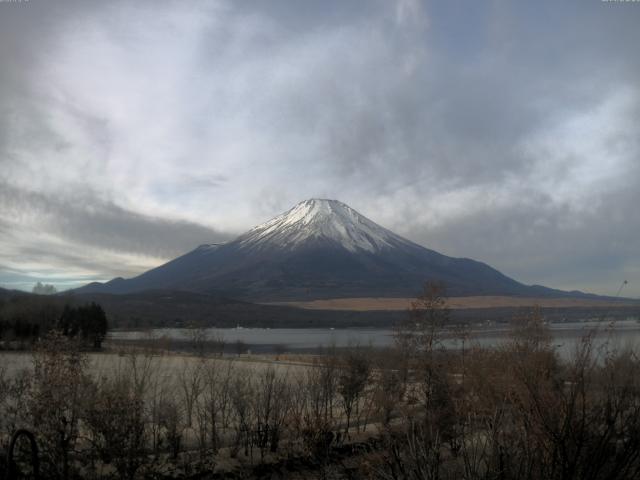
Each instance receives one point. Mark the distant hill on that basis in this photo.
(187, 309)
(317, 250)
(166, 308)
(161, 308)
(4, 293)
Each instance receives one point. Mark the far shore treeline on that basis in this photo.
(26, 318)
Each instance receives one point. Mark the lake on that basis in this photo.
(566, 336)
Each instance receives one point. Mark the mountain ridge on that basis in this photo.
(320, 248)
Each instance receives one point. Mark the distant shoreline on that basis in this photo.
(369, 304)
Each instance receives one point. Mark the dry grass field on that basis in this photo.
(168, 366)
(394, 304)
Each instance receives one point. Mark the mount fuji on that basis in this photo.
(320, 249)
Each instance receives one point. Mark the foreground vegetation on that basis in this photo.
(417, 411)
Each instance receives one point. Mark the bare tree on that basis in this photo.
(159, 389)
(240, 347)
(413, 454)
(421, 332)
(240, 395)
(190, 382)
(171, 421)
(115, 421)
(56, 399)
(271, 407)
(353, 376)
(198, 339)
(216, 399)
(319, 432)
(388, 393)
(218, 343)
(298, 407)
(13, 392)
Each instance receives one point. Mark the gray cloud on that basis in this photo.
(87, 220)
(501, 131)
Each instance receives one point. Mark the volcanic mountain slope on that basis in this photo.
(320, 249)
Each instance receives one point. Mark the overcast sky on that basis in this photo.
(133, 131)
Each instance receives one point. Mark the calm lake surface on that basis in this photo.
(566, 336)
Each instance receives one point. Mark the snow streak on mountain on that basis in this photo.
(319, 219)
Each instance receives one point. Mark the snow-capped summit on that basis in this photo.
(319, 249)
(321, 220)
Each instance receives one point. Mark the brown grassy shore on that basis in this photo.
(366, 304)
